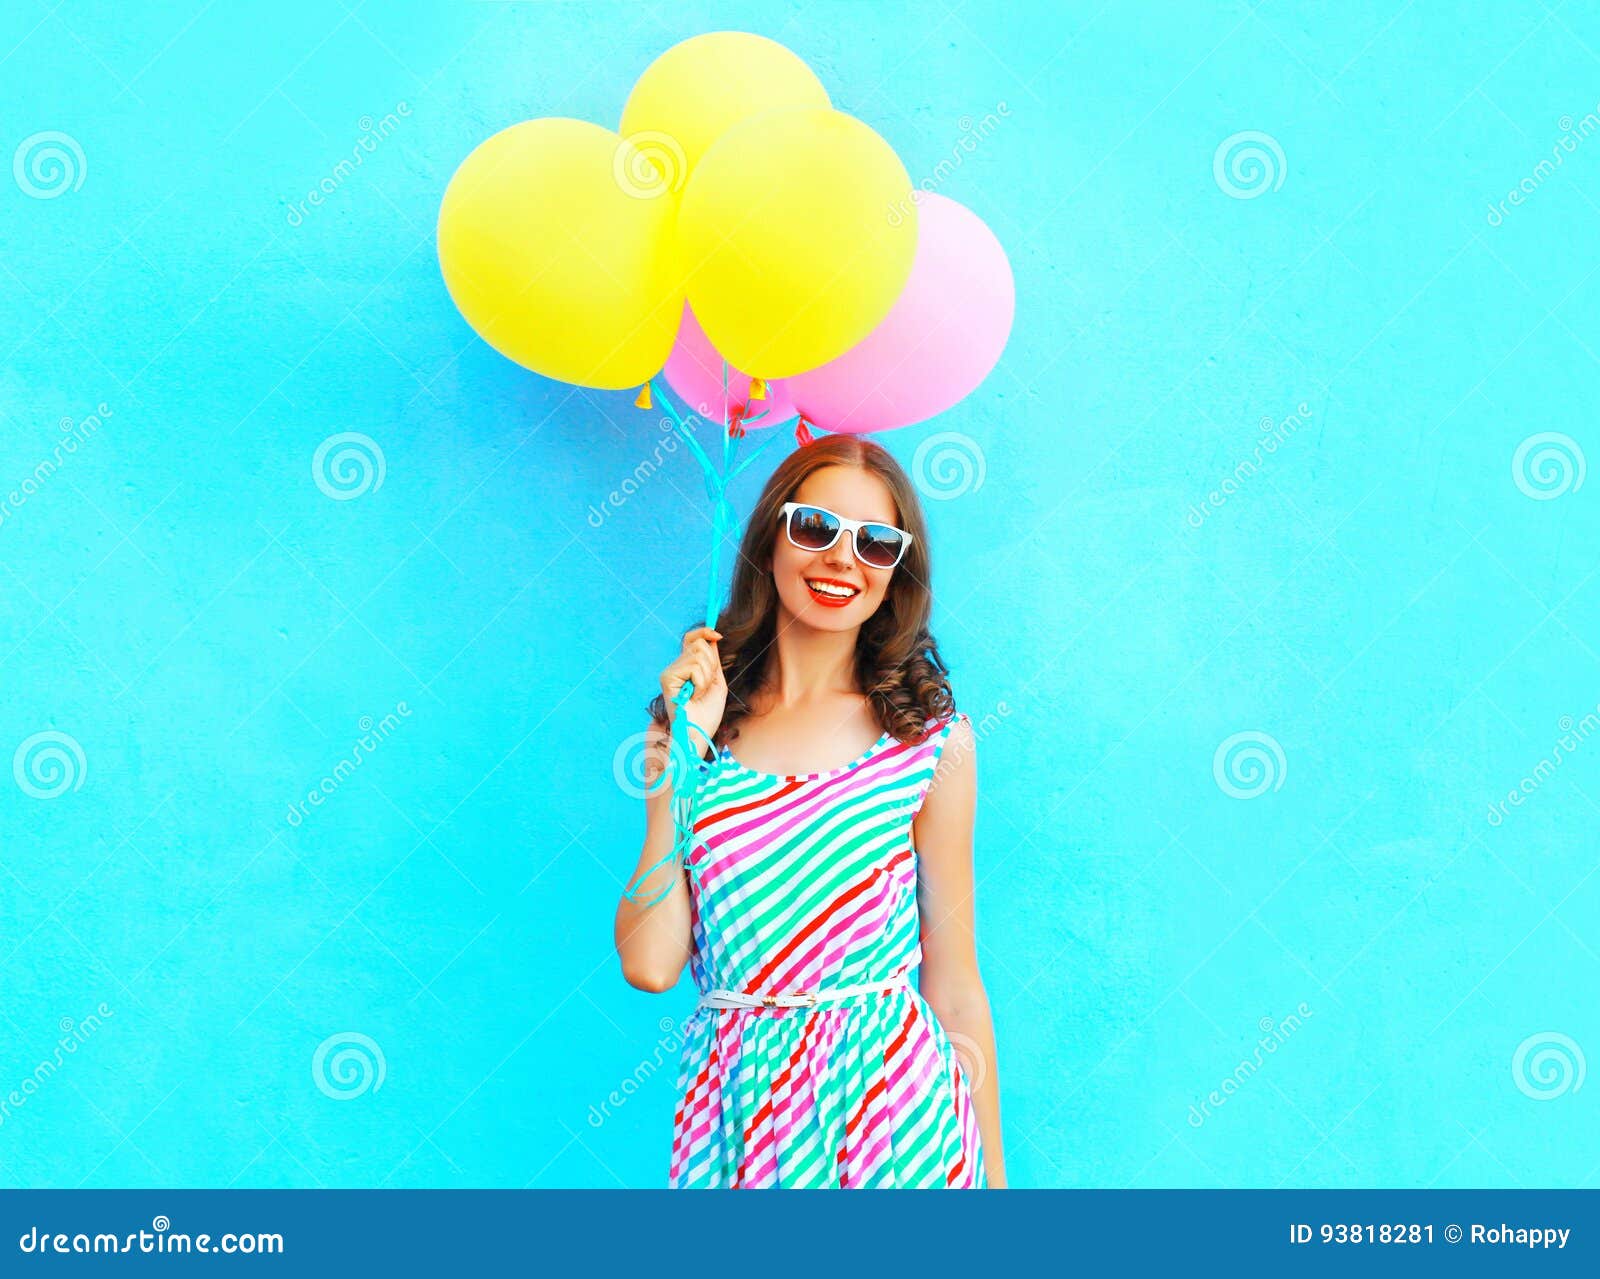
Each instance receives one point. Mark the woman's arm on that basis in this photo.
(949, 980)
(654, 941)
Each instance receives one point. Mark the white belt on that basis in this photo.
(800, 999)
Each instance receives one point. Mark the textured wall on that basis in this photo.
(1392, 598)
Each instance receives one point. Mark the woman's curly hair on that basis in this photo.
(898, 666)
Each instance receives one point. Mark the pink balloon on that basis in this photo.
(694, 371)
(938, 342)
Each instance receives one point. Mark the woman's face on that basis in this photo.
(855, 494)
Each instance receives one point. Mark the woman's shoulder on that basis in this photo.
(941, 729)
(946, 751)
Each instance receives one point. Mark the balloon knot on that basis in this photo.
(802, 433)
(642, 400)
(736, 420)
(758, 388)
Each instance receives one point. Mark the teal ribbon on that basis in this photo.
(687, 767)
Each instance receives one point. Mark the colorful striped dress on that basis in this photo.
(810, 883)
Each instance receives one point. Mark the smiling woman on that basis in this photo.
(833, 857)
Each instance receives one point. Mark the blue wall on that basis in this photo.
(1396, 601)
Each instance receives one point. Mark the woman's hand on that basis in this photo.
(701, 662)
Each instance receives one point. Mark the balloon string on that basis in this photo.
(771, 439)
(688, 768)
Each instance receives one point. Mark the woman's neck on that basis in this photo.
(811, 666)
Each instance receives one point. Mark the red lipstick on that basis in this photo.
(832, 601)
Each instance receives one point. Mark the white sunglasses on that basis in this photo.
(815, 528)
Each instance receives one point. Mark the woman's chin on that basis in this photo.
(826, 619)
(822, 617)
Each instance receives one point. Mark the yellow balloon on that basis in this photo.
(558, 259)
(697, 90)
(797, 231)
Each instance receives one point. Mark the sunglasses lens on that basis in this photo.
(812, 529)
(879, 545)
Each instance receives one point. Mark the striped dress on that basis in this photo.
(810, 883)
